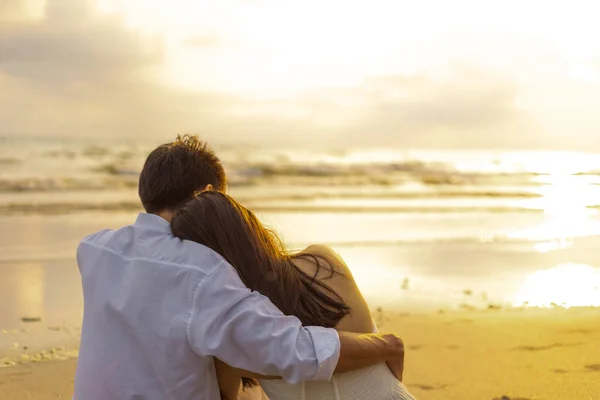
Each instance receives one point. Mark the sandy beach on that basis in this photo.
(451, 302)
(451, 281)
(526, 354)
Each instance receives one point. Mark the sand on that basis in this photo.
(46, 380)
(522, 354)
(461, 354)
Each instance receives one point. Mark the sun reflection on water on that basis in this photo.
(558, 244)
(567, 285)
(569, 199)
(569, 202)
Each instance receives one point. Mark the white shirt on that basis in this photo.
(158, 309)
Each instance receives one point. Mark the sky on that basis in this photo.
(433, 73)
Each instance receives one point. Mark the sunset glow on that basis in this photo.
(567, 285)
(461, 73)
(283, 47)
(449, 151)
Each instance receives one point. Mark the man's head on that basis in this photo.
(173, 172)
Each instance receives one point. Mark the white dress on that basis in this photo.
(372, 383)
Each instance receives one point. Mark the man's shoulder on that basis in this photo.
(192, 254)
(98, 236)
(157, 249)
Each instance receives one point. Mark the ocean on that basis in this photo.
(420, 229)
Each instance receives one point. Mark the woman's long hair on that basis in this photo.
(217, 221)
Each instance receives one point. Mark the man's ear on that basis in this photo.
(207, 187)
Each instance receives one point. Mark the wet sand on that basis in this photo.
(521, 354)
(49, 380)
(477, 348)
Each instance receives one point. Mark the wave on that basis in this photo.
(113, 178)
(391, 195)
(72, 166)
(392, 209)
(116, 169)
(56, 167)
(370, 168)
(61, 184)
(375, 173)
(251, 173)
(70, 207)
(29, 187)
(66, 208)
(486, 239)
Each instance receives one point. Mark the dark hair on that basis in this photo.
(174, 171)
(219, 222)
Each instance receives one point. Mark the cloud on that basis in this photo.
(17, 10)
(72, 44)
(470, 108)
(79, 73)
(467, 108)
(203, 41)
(75, 72)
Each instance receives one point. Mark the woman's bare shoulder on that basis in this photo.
(359, 320)
(321, 249)
(334, 260)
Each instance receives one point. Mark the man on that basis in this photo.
(158, 309)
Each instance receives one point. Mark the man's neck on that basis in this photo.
(166, 214)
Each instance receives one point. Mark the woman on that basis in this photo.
(315, 285)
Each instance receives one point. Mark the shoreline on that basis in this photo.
(525, 353)
(451, 301)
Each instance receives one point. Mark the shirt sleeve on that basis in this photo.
(245, 330)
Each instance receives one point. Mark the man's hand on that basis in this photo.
(397, 367)
(363, 350)
(395, 345)
(360, 351)
(396, 362)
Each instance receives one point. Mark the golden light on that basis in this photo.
(567, 285)
(281, 48)
(30, 296)
(567, 196)
(278, 47)
(24, 11)
(585, 73)
(558, 244)
(372, 276)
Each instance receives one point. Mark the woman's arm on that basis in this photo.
(352, 295)
(230, 380)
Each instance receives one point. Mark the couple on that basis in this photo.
(197, 300)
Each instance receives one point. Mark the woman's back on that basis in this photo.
(376, 382)
(359, 319)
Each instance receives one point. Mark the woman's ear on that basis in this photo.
(208, 187)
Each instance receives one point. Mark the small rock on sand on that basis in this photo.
(6, 362)
(31, 319)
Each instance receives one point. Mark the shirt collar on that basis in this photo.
(153, 221)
